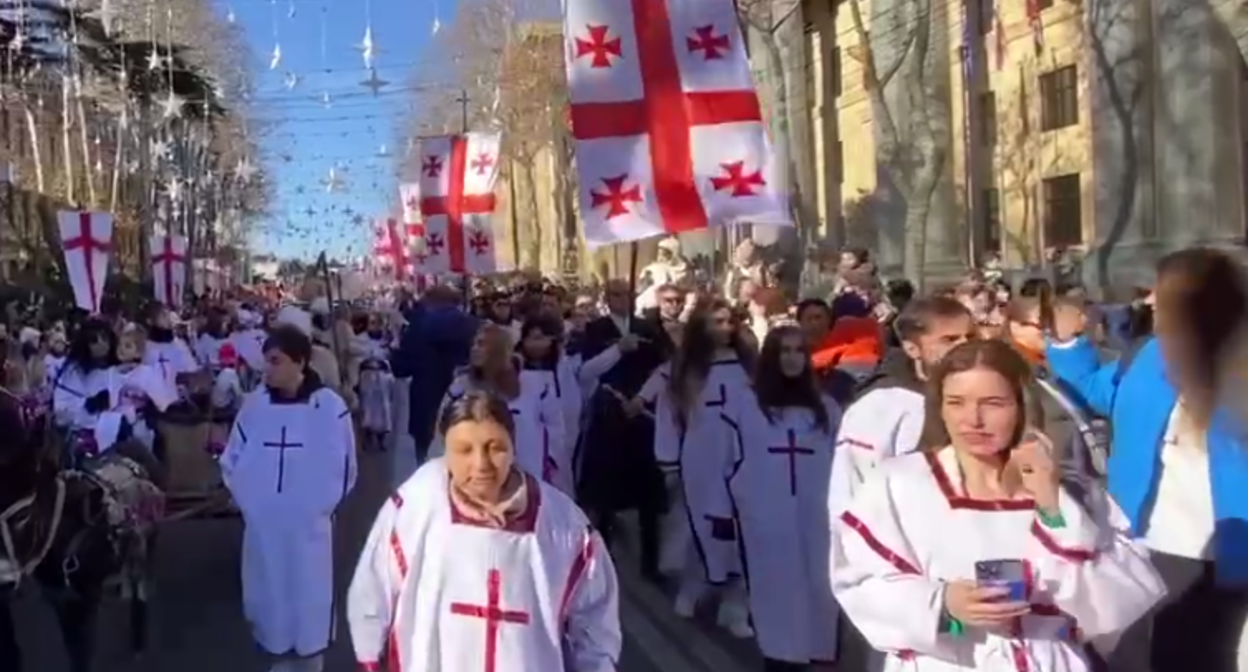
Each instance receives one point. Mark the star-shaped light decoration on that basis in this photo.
(99, 166)
(276, 58)
(301, 189)
(333, 182)
(155, 60)
(161, 149)
(290, 10)
(230, 15)
(326, 100)
(245, 170)
(437, 25)
(309, 211)
(358, 220)
(291, 81)
(171, 106)
(383, 152)
(132, 167)
(367, 48)
(374, 83)
(106, 15)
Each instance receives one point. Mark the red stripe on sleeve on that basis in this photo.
(901, 564)
(855, 443)
(579, 566)
(1050, 544)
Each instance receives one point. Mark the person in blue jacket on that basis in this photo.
(1178, 462)
(435, 343)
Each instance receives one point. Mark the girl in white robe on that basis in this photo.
(540, 350)
(972, 554)
(708, 373)
(474, 564)
(540, 449)
(81, 392)
(780, 471)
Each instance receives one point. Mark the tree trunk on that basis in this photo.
(114, 191)
(36, 149)
(67, 120)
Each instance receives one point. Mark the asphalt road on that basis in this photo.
(197, 623)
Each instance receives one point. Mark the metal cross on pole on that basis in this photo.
(463, 109)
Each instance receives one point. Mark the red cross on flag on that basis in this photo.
(668, 128)
(390, 248)
(87, 242)
(169, 263)
(457, 174)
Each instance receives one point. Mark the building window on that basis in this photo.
(834, 71)
(992, 221)
(838, 162)
(987, 10)
(1063, 211)
(988, 117)
(1059, 96)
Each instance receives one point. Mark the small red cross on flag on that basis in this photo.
(391, 249)
(457, 203)
(169, 264)
(668, 129)
(87, 242)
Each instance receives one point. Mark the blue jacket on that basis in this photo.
(1138, 404)
(436, 342)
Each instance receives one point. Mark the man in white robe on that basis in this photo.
(886, 420)
(435, 591)
(289, 463)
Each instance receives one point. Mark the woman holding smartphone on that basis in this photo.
(972, 554)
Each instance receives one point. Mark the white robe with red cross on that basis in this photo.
(912, 527)
(437, 592)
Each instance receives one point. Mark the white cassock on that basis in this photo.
(675, 537)
(779, 489)
(249, 344)
(565, 387)
(884, 422)
(70, 395)
(437, 592)
(288, 466)
(130, 388)
(911, 528)
(539, 430)
(172, 358)
(699, 455)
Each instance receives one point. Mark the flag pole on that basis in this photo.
(322, 267)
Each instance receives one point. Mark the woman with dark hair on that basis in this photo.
(972, 554)
(540, 432)
(473, 535)
(289, 463)
(82, 391)
(1178, 459)
(710, 370)
(778, 477)
(541, 349)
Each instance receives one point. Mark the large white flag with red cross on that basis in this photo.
(87, 242)
(169, 264)
(668, 127)
(457, 175)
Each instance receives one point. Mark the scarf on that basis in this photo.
(513, 501)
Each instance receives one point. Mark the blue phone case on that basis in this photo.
(1011, 574)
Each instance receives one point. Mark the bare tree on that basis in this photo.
(913, 149)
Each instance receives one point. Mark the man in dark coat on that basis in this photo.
(436, 342)
(616, 456)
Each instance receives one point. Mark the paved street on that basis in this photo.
(197, 623)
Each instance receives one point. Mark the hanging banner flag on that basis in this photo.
(457, 175)
(390, 248)
(409, 196)
(169, 264)
(87, 243)
(668, 128)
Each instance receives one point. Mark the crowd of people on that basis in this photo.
(982, 477)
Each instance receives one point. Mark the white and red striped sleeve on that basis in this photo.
(590, 609)
(374, 591)
(1091, 568)
(876, 576)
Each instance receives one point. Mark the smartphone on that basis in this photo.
(1011, 574)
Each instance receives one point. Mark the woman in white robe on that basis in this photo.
(81, 393)
(540, 350)
(779, 479)
(475, 564)
(540, 448)
(710, 370)
(972, 554)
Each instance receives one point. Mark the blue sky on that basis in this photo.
(305, 138)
